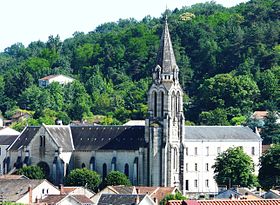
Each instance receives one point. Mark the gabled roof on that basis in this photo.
(8, 131)
(220, 133)
(61, 134)
(154, 192)
(25, 137)
(7, 139)
(108, 137)
(14, 189)
(53, 76)
(122, 199)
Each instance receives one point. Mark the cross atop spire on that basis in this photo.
(166, 62)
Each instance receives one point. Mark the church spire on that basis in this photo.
(166, 58)
(166, 62)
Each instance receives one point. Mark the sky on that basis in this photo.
(31, 20)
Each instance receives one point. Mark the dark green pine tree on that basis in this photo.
(271, 129)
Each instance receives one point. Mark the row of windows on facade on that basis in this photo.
(207, 151)
(207, 167)
(196, 184)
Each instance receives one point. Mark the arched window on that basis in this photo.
(104, 171)
(83, 165)
(92, 163)
(126, 170)
(162, 104)
(114, 164)
(155, 104)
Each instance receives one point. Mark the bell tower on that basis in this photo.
(165, 124)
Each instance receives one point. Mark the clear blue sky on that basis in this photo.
(31, 20)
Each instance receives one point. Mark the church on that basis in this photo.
(161, 152)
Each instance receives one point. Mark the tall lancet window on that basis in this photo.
(162, 104)
(173, 104)
(175, 156)
(155, 104)
(178, 102)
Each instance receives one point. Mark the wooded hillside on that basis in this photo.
(229, 61)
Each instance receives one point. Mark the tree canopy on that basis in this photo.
(83, 177)
(229, 61)
(32, 172)
(269, 173)
(234, 167)
(117, 178)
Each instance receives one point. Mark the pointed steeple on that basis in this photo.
(166, 58)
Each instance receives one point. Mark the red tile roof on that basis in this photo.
(241, 202)
(226, 202)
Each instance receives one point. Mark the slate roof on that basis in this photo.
(166, 58)
(25, 137)
(87, 138)
(7, 139)
(117, 199)
(54, 199)
(220, 133)
(121, 189)
(61, 134)
(14, 189)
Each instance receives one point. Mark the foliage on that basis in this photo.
(32, 172)
(271, 130)
(229, 61)
(269, 173)
(117, 178)
(176, 196)
(234, 167)
(83, 177)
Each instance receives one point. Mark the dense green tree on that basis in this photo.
(176, 196)
(269, 173)
(234, 167)
(83, 177)
(116, 178)
(79, 101)
(32, 172)
(228, 59)
(270, 132)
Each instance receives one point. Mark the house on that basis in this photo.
(125, 199)
(66, 200)
(155, 193)
(26, 191)
(272, 194)
(237, 193)
(8, 131)
(61, 79)
(162, 153)
(76, 190)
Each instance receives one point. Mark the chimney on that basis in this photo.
(58, 122)
(155, 200)
(137, 200)
(62, 192)
(30, 194)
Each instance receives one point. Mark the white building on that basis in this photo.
(61, 79)
(203, 144)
